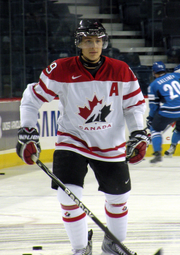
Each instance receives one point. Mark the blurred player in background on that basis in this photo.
(97, 96)
(176, 131)
(164, 106)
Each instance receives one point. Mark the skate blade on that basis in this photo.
(159, 164)
(168, 156)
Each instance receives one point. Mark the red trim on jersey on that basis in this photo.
(87, 151)
(69, 207)
(132, 94)
(111, 70)
(116, 215)
(138, 103)
(91, 148)
(39, 96)
(75, 218)
(46, 90)
(73, 137)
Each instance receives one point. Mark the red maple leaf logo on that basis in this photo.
(85, 112)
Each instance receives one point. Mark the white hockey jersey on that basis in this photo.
(93, 111)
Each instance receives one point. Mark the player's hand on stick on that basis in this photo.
(136, 146)
(28, 144)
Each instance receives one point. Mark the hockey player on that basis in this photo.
(97, 96)
(176, 132)
(164, 106)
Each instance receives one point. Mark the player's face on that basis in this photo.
(91, 47)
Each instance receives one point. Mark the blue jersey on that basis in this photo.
(164, 96)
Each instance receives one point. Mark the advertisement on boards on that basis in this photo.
(10, 122)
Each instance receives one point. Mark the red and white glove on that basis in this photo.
(28, 144)
(136, 146)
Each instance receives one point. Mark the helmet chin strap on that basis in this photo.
(90, 63)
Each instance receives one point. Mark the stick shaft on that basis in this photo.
(168, 126)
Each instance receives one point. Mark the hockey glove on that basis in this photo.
(28, 144)
(136, 146)
(149, 120)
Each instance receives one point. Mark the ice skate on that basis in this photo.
(169, 153)
(157, 160)
(88, 249)
(109, 247)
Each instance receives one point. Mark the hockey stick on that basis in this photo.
(167, 127)
(83, 207)
(162, 132)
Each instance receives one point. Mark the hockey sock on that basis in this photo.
(156, 140)
(116, 212)
(74, 218)
(175, 137)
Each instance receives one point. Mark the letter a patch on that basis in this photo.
(114, 89)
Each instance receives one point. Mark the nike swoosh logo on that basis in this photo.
(126, 182)
(75, 77)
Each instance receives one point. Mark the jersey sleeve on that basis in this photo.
(154, 100)
(36, 94)
(134, 105)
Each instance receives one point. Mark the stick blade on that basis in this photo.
(159, 252)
